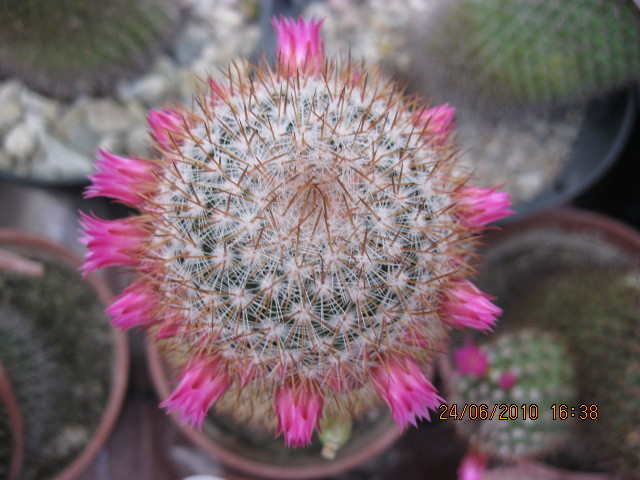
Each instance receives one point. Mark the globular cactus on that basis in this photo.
(66, 48)
(597, 311)
(27, 362)
(302, 248)
(57, 347)
(523, 372)
(514, 53)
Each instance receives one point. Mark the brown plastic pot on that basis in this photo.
(239, 457)
(18, 241)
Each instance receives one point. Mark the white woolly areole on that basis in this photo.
(309, 223)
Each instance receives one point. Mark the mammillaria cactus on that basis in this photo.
(522, 372)
(302, 248)
(531, 52)
(67, 48)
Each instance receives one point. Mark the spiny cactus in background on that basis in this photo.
(523, 367)
(11, 426)
(66, 48)
(26, 359)
(597, 310)
(302, 244)
(514, 53)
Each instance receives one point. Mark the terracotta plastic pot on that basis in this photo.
(18, 243)
(235, 455)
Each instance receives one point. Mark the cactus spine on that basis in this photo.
(66, 48)
(302, 242)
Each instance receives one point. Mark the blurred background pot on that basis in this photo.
(68, 367)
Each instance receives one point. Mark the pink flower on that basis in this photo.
(466, 306)
(110, 242)
(123, 179)
(163, 124)
(406, 390)
(218, 90)
(436, 123)
(170, 328)
(473, 466)
(133, 307)
(298, 409)
(202, 383)
(471, 360)
(481, 206)
(507, 380)
(299, 46)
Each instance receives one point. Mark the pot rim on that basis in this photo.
(607, 228)
(120, 363)
(600, 143)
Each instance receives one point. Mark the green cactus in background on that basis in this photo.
(597, 310)
(6, 441)
(512, 53)
(27, 361)
(523, 372)
(69, 47)
(56, 346)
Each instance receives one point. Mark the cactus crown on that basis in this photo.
(302, 238)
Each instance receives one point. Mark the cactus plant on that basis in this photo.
(66, 48)
(27, 360)
(527, 371)
(11, 430)
(533, 53)
(56, 346)
(303, 244)
(596, 310)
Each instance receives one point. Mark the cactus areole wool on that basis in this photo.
(303, 242)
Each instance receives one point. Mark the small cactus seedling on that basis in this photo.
(66, 48)
(510, 53)
(523, 372)
(302, 244)
(597, 311)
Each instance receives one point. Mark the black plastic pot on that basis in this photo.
(607, 129)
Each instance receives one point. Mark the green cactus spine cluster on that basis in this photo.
(526, 372)
(65, 48)
(534, 52)
(598, 311)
